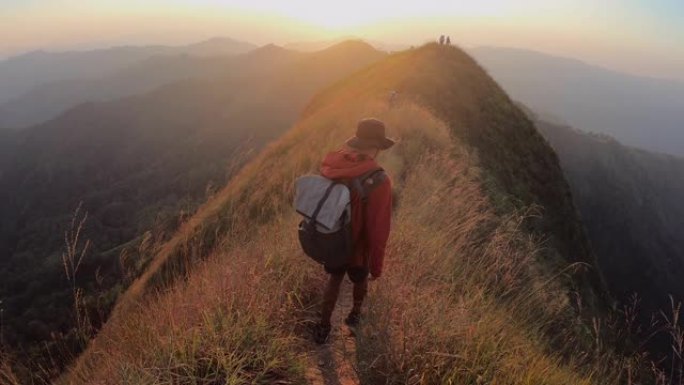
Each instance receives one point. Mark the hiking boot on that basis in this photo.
(353, 319)
(321, 333)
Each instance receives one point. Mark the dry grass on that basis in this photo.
(230, 322)
(466, 300)
(7, 375)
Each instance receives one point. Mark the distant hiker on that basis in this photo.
(392, 98)
(353, 243)
(441, 40)
(448, 41)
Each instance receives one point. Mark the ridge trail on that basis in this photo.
(334, 363)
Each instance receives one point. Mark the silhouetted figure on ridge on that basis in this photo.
(441, 40)
(448, 40)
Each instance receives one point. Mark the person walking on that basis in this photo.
(392, 100)
(370, 218)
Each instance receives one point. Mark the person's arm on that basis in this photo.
(378, 218)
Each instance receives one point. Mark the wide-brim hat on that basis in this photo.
(370, 133)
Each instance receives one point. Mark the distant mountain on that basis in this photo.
(20, 74)
(631, 203)
(317, 45)
(638, 111)
(216, 46)
(49, 100)
(137, 164)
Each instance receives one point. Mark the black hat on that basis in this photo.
(370, 133)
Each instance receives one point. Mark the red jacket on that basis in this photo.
(370, 228)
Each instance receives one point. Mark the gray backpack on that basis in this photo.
(325, 231)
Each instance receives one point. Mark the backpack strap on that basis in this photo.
(361, 185)
(364, 184)
(319, 206)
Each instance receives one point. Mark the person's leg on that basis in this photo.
(360, 290)
(359, 276)
(332, 291)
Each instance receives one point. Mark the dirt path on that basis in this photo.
(334, 363)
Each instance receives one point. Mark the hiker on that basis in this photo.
(370, 218)
(448, 40)
(441, 40)
(392, 98)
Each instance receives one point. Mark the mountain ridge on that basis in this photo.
(20, 74)
(49, 100)
(639, 111)
(474, 296)
(570, 60)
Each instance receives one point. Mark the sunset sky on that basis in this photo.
(638, 36)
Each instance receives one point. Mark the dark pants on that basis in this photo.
(359, 278)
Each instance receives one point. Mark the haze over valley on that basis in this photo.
(644, 112)
(149, 153)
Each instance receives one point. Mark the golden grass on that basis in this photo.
(464, 299)
(7, 375)
(226, 321)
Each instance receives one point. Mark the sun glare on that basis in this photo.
(352, 13)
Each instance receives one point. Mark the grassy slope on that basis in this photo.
(474, 291)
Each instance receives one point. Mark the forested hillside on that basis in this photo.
(490, 278)
(631, 203)
(138, 166)
(7, 138)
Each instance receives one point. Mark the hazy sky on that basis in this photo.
(639, 36)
